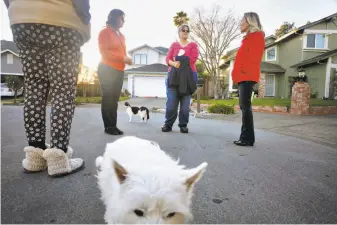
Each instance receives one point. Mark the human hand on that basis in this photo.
(128, 60)
(176, 64)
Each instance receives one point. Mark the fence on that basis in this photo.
(88, 90)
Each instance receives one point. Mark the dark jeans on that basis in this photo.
(245, 94)
(111, 81)
(172, 102)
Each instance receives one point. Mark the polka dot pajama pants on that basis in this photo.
(50, 56)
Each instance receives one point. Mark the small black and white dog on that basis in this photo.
(142, 111)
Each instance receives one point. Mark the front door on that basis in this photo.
(270, 85)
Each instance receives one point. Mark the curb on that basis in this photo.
(202, 115)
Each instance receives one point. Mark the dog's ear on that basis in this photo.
(120, 171)
(194, 175)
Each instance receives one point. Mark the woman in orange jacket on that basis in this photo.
(111, 68)
(246, 72)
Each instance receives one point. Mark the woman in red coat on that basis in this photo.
(246, 72)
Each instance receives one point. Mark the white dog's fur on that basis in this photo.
(135, 174)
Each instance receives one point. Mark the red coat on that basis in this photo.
(248, 58)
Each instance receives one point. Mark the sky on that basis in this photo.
(151, 21)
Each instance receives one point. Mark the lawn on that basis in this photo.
(269, 102)
(78, 100)
(95, 100)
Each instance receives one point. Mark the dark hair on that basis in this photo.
(113, 16)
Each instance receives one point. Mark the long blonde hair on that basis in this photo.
(253, 21)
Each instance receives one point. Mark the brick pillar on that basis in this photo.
(300, 99)
(261, 85)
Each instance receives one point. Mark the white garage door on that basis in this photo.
(149, 86)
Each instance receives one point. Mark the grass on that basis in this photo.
(269, 102)
(10, 100)
(94, 100)
(78, 100)
(320, 102)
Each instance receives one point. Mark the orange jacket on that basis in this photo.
(112, 48)
(248, 58)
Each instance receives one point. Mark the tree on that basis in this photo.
(180, 18)
(201, 70)
(86, 77)
(213, 33)
(15, 83)
(285, 28)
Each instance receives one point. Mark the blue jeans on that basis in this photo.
(172, 103)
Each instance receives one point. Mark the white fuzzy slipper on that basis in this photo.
(34, 161)
(59, 163)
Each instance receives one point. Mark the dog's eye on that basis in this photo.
(138, 212)
(171, 215)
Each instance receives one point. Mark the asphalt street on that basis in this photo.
(281, 179)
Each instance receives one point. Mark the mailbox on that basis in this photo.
(201, 82)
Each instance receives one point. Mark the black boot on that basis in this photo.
(113, 131)
(243, 143)
(166, 128)
(184, 130)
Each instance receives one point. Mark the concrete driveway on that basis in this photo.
(280, 180)
(147, 102)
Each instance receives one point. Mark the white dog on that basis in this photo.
(140, 183)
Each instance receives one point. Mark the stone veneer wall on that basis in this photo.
(300, 99)
(261, 84)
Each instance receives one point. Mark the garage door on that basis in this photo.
(149, 86)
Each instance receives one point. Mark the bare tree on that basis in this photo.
(85, 79)
(214, 33)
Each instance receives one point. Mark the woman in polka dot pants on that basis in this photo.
(50, 56)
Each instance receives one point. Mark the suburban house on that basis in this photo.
(10, 60)
(310, 50)
(10, 66)
(146, 77)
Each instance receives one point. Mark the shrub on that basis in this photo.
(194, 96)
(221, 109)
(205, 98)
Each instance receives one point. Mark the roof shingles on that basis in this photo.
(152, 68)
(271, 68)
(9, 45)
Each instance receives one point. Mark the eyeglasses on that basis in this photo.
(185, 31)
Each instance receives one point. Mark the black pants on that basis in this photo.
(245, 94)
(111, 81)
(50, 57)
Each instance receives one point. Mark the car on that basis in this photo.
(5, 91)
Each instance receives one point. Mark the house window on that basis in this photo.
(271, 54)
(9, 58)
(140, 59)
(316, 41)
